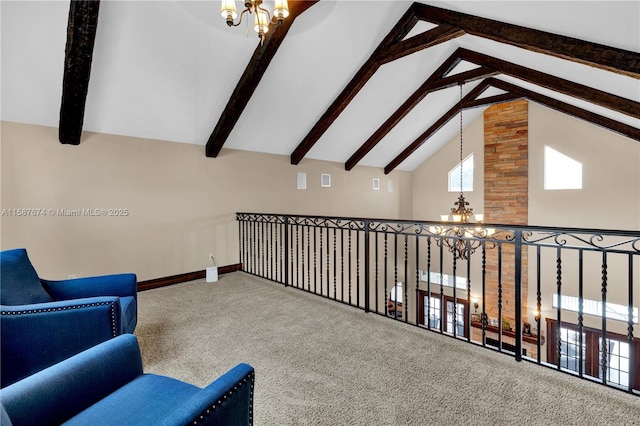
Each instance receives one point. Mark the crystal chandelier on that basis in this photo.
(452, 236)
(262, 16)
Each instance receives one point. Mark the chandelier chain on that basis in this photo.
(460, 85)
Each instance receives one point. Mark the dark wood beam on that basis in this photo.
(593, 54)
(440, 34)
(491, 100)
(513, 92)
(251, 77)
(563, 107)
(377, 58)
(81, 34)
(557, 84)
(420, 140)
(432, 84)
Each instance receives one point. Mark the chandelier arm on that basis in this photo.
(259, 7)
(240, 20)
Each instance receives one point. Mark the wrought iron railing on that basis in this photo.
(562, 298)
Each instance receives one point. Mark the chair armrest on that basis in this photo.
(227, 401)
(55, 330)
(54, 395)
(105, 285)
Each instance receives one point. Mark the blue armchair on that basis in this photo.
(43, 322)
(105, 385)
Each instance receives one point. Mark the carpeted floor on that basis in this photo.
(319, 362)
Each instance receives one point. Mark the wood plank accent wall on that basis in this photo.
(506, 195)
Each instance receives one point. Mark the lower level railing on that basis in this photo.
(562, 298)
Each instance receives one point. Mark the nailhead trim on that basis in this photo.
(251, 379)
(69, 308)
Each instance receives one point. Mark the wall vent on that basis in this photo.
(301, 180)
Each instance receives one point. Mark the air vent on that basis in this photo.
(302, 180)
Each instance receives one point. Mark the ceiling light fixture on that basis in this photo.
(461, 248)
(262, 16)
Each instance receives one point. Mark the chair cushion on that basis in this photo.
(129, 314)
(19, 282)
(146, 400)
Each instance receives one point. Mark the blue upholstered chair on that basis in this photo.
(43, 322)
(105, 385)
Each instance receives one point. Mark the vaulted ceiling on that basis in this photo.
(373, 83)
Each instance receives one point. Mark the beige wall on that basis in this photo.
(181, 205)
(609, 199)
(610, 194)
(431, 196)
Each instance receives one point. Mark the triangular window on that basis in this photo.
(561, 171)
(467, 176)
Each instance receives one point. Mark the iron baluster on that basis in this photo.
(358, 269)
(315, 261)
(395, 274)
(443, 318)
(342, 264)
(377, 272)
(428, 316)
(467, 311)
(605, 345)
(500, 297)
(518, 293)
(405, 300)
(350, 254)
(559, 304)
(286, 250)
(580, 310)
(417, 293)
(632, 347)
(386, 273)
(484, 294)
(366, 266)
(538, 303)
(335, 280)
(454, 314)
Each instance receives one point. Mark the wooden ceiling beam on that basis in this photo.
(432, 84)
(557, 84)
(608, 58)
(454, 24)
(251, 77)
(440, 34)
(420, 140)
(491, 100)
(565, 108)
(513, 92)
(81, 34)
(377, 58)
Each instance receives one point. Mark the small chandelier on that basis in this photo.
(262, 15)
(461, 248)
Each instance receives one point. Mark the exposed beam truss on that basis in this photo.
(454, 24)
(609, 58)
(489, 66)
(392, 47)
(436, 81)
(513, 91)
